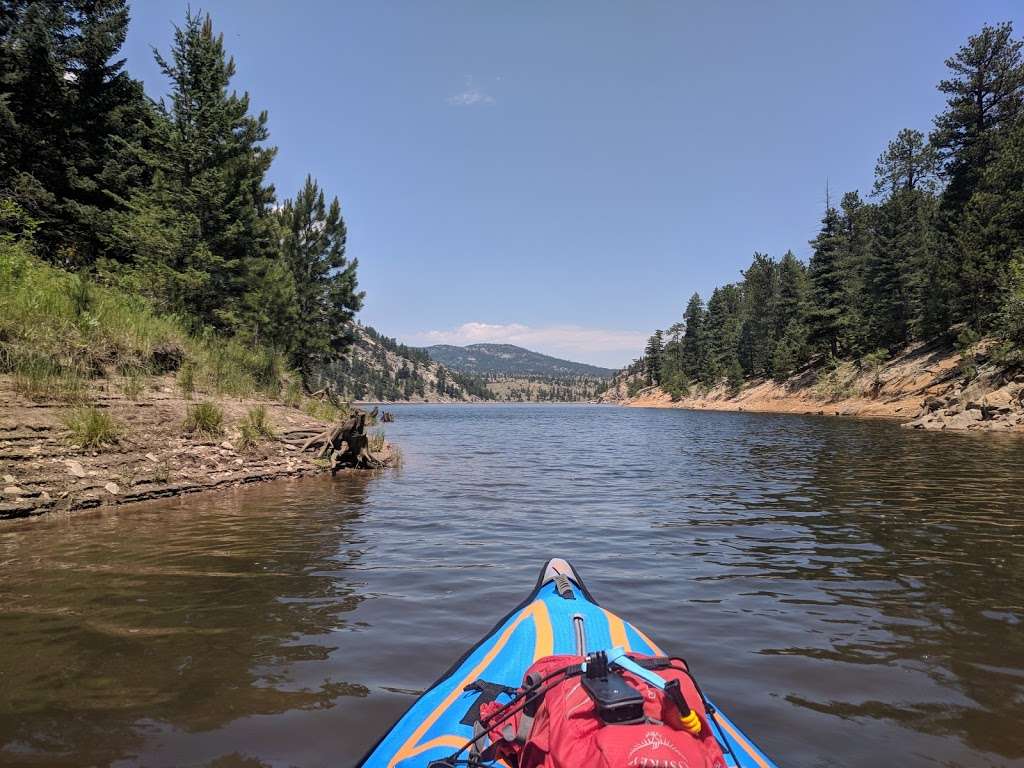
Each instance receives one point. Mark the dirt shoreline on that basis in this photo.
(924, 388)
(41, 470)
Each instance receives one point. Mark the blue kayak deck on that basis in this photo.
(541, 626)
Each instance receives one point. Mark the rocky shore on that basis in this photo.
(928, 386)
(43, 470)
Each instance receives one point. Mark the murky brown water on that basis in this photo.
(850, 592)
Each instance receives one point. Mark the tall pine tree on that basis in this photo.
(722, 334)
(209, 195)
(985, 94)
(758, 334)
(692, 350)
(313, 247)
(65, 104)
(652, 358)
(826, 320)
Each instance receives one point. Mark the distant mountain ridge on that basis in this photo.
(508, 360)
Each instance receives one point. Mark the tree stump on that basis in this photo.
(346, 444)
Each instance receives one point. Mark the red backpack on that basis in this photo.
(581, 720)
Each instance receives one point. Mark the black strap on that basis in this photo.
(488, 693)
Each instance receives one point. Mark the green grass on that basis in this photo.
(58, 330)
(40, 378)
(324, 410)
(254, 427)
(248, 438)
(205, 419)
(258, 419)
(91, 428)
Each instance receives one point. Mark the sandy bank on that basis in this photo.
(924, 387)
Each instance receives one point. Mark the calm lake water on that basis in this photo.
(850, 592)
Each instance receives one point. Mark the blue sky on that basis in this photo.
(565, 175)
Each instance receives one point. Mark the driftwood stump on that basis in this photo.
(346, 444)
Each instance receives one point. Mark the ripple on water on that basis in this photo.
(844, 588)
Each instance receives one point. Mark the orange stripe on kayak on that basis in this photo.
(743, 742)
(617, 630)
(544, 641)
(448, 740)
(408, 748)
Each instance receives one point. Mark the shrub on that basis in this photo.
(248, 437)
(873, 363)
(1011, 315)
(258, 419)
(836, 381)
(204, 418)
(254, 426)
(91, 427)
(677, 386)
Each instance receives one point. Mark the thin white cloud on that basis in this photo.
(598, 346)
(471, 95)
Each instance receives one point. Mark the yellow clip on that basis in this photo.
(691, 722)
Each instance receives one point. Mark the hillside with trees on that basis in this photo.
(163, 200)
(379, 368)
(934, 252)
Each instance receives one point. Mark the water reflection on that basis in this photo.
(230, 615)
(927, 549)
(850, 592)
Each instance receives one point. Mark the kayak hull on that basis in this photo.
(559, 616)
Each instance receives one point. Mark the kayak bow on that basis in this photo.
(560, 616)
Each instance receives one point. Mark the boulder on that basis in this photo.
(1001, 398)
(964, 420)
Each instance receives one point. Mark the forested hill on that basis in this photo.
(935, 250)
(379, 368)
(510, 360)
(520, 375)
